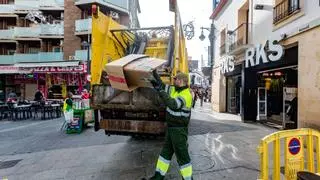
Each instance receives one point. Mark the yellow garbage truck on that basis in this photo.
(139, 112)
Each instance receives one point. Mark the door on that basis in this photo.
(262, 104)
(30, 90)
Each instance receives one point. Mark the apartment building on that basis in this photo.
(267, 63)
(44, 43)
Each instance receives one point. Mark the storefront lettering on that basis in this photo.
(254, 54)
(227, 64)
(80, 68)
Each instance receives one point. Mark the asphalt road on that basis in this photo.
(220, 149)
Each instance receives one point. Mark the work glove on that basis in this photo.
(157, 82)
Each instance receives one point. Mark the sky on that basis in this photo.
(156, 13)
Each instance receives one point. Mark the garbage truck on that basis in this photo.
(137, 112)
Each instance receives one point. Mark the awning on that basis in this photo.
(49, 64)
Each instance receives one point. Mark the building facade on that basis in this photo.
(42, 41)
(267, 66)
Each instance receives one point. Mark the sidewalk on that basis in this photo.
(207, 108)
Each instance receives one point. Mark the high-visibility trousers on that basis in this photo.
(176, 141)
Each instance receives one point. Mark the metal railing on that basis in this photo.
(223, 49)
(83, 25)
(285, 9)
(239, 37)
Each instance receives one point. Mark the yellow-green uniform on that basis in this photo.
(178, 111)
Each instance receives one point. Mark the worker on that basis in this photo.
(68, 108)
(178, 100)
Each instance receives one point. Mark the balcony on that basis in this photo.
(6, 10)
(6, 34)
(52, 30)
(51, 5)
(50, 56)
(6, 59)
(83, 26)
(285, 9)
(23, 6)
(82, 55)
(37, 57)
(27, 32)
(119, 5)
(26, 57)
(239, 38)
(222, 49)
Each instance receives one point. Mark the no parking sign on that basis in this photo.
(294, 146)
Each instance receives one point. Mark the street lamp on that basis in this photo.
(86, 45)
(211, 38)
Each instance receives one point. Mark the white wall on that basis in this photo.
(227, 18)
(261, 21)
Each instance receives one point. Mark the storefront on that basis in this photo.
(270, 85)
(233, 90)
(53, 79)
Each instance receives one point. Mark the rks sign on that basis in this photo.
(271, 51)
(227, 64)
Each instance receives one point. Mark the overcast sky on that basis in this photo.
(156, 13)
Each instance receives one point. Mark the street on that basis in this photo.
(219, 148)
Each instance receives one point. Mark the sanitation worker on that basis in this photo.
(178, 100)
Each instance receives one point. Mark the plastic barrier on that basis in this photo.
(298, 149)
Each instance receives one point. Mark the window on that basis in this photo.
(284, 9)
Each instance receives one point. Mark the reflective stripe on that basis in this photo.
(186, 171)
(182, 99)
(186, 109)
(179, 114)
(178, 103)
(167, 88)
(162, 165)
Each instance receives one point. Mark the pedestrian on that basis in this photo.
(195, 98)
(201, 94)
(178, 101)
(38, 96)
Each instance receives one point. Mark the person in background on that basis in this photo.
(85, 94)
(201, 94)
(38, 96)
(195, 98)
(12, 96)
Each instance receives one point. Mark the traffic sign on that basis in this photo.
(294, 146)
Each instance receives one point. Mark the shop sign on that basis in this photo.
(77, 69)
(10, 70)
(274, 53)
(227, 64)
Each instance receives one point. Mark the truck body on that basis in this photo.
(140, 111)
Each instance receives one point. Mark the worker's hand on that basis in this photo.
(157, 86)
(157, 82)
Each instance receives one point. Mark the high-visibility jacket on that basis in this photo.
(179, 103)
(67, 106)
